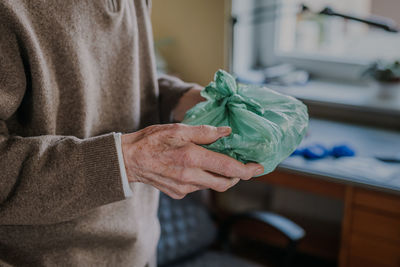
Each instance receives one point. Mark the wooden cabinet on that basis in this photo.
(376, 224)
(370, 224)
(368, 251)
(377, 201)
(371, 229)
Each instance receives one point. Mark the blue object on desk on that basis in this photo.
(318, 151)
(342, 151)
(315, 152)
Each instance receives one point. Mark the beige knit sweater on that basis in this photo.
(71, 73)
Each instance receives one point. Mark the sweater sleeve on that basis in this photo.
(171, 90)
(48, 179)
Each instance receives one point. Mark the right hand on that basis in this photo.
(169, 158)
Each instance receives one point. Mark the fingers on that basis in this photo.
(218, 163)
(198, 157)
(205, 134)
(258, 167)
(185, 181)
(206, 179)
(172, 187)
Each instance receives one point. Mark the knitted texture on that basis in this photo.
(71, 73)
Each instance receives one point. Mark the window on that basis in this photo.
(269, 32)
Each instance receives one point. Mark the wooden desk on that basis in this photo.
(370, 228)
(370, 224)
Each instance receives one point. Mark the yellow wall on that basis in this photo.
(197, 28)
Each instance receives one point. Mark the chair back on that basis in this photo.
(186, 229)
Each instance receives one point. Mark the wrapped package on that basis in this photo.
(266, 126)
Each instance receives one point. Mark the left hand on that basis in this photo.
(186, 102)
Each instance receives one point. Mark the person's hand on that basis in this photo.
(186, 102)
(169, 158)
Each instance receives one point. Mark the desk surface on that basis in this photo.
(363, 170)
(359, 96)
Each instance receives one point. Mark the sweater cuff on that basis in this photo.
(101, 168)
(124, 178)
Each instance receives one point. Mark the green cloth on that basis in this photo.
(266, 126)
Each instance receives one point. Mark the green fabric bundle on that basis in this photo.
(266, 126)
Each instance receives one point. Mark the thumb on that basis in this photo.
(205, 134)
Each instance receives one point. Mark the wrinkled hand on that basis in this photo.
(169, 158)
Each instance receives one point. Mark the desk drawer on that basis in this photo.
(377, 200)
(380, 225)
(370, 252)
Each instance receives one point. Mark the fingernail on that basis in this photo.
(259, 171)
(224, 130)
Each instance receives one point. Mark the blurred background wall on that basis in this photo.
(193, 36)
(387, 8)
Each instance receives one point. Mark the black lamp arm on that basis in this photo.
(370, 21)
